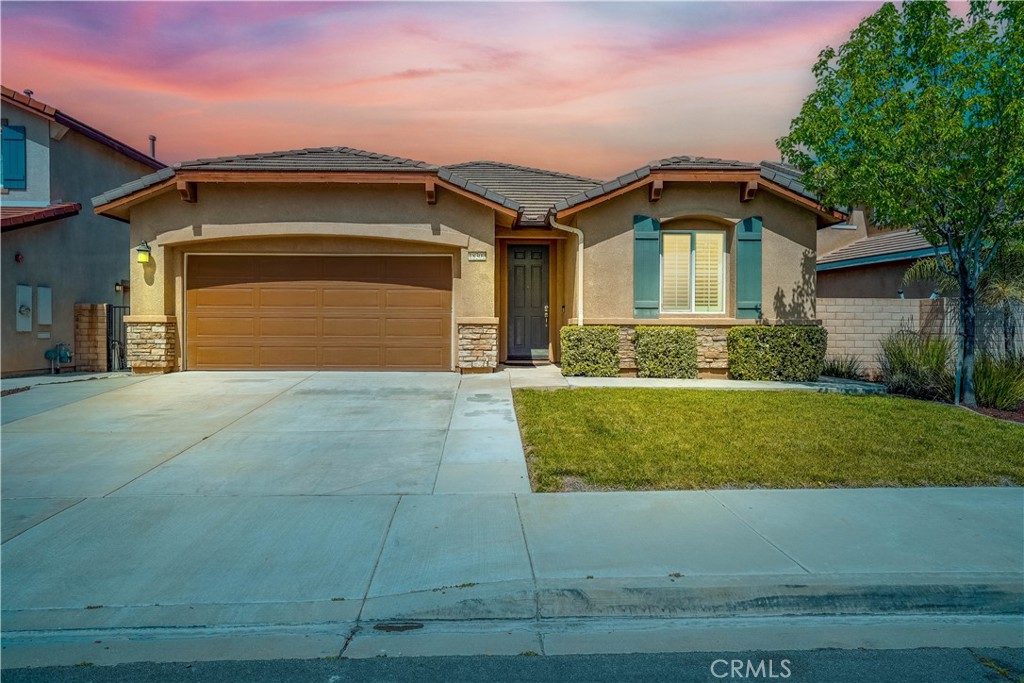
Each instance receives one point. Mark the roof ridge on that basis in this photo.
(425, 165)
(657, 163)
(532, 169)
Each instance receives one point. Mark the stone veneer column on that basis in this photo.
(90, 337)
(478, 347)
(152, 343)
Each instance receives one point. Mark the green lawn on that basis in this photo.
(692, 439)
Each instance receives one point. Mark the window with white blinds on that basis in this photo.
(693, 272)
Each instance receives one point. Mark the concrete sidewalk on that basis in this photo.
(550, 377)
(202, 516)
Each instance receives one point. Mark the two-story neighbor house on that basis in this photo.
(55, 254)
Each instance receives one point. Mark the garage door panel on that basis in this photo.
(352, 357)
(224, 356)
(224, 326)
(223, 297)
(308, 312)
(351, 297)
(288, 297)
(290, 356)
(417, 299)
(431, 328)
(289, 327)
(351, 327)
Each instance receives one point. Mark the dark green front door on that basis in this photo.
(528, 303)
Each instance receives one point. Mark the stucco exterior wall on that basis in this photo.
(788, 250)
(79, 258)
(876, 281)
(313, 219)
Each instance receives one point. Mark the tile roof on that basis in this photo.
(888, 246)
(13, 217)
(775, 171)
(311, 160)
(535, 190)
(54, 114)
(328, 159)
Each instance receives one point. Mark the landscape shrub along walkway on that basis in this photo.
(661, 439)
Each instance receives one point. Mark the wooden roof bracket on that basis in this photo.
(657, 187)
(431, 192)
(748, 188)
(188, 191)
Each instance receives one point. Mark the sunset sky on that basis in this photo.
(590, 88)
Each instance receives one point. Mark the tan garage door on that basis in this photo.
(307, 312)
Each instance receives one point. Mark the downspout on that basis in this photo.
(579, 265)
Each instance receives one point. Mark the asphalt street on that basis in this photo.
(963, 665)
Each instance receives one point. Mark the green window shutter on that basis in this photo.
(646, 266)
(748, 268)
(13, 153)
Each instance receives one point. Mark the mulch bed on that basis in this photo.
(1011, 415)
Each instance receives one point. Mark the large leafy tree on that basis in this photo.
(920, 116)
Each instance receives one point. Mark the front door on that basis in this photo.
(528, 302)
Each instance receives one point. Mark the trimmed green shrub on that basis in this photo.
(590, 351)
(999, 381)
(917, 365)
(843, 367)
(783, 353)
(663, 351)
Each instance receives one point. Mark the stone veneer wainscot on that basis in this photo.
(152, 344)
(478, 346)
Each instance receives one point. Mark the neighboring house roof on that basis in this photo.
(884, 247)
(53, 114)
(782, 175)
(535, 190)
(14, 217)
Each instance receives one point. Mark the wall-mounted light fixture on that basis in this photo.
(122, 286)
(142, 252)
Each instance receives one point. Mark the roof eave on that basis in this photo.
(911, 255)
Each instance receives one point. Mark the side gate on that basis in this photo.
(117, 336)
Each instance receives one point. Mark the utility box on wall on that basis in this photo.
(44, 306)
(23, 309)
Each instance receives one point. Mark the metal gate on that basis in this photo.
(117, 336)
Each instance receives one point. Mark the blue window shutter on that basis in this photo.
(646, 266)
(13, 152)
(748, 268)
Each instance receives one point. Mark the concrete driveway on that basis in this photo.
(256, 434)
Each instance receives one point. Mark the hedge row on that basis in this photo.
(663, 351)
(793, 353)
(590, 351)
(785, 353)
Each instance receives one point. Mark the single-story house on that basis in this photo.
(338, 258)
(55, 255)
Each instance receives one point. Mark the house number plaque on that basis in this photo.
(478, 256)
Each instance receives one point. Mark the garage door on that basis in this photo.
(311, 312)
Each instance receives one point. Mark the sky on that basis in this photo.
(595, 89)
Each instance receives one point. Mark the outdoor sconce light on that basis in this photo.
(142, 252)
(122, 286)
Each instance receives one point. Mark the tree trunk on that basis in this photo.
(1009, 329)
(967, 330)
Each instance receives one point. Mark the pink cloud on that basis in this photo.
(595, 89)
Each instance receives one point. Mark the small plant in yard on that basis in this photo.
(917, 365)
(666, 351)
(999, 381)
(843, 367)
